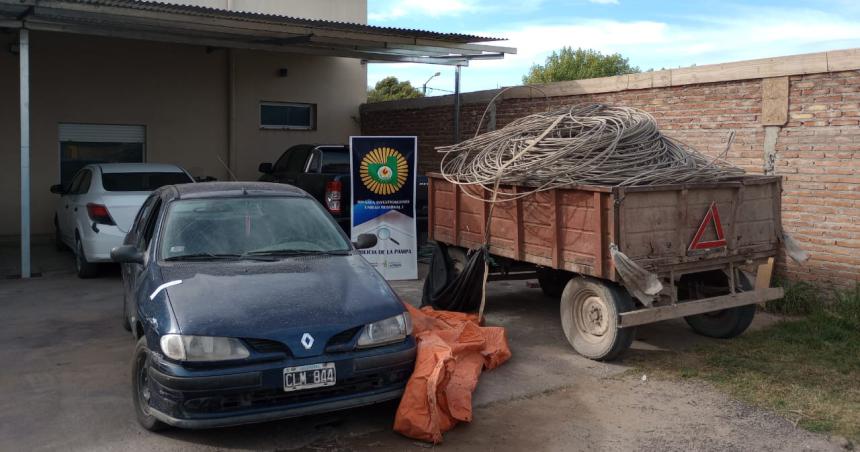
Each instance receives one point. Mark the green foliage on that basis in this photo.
(846, 307)
(801, 298)
(390, 88)
(569, 64)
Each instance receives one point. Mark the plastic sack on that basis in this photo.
(452, 351)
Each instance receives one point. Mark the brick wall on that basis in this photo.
(818, 155)
(817, 150)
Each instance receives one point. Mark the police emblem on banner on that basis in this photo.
(383, 171)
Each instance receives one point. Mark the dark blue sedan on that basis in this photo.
(250, 304)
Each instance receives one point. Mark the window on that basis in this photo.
(143, 241)
(293, 160)
(141, 181)
(329, 160)
(335, 160)
(288, 116)
(237, 226)
(81, 183)
(140, 219)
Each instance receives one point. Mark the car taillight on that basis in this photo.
(99, 214)
(332, 196)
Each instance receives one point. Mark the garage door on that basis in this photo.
(83, 144)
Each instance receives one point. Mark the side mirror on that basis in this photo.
(126, 254)
(365, 241)
(58, 189)
(265, 168)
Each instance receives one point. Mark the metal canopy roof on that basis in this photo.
(156, 21)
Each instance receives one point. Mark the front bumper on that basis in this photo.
(206, 398)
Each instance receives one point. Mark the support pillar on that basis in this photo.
(457, 105)
(24, 61)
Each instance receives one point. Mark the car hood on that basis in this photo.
(281, 301)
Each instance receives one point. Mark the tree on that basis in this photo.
(569, 64)
(390, 88)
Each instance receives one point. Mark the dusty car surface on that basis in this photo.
(250, 304)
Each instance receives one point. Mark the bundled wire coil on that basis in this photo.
(589, 144)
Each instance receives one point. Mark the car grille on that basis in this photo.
(278, 398)
(342, 342)
(268, 346)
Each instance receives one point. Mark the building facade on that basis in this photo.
(100, 98)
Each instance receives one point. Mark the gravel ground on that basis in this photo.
(65, 385)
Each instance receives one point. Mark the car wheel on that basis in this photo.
(82, 267)
(58, 236)
(589, 318)
(141, 390)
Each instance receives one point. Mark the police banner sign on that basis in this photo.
(383, 178)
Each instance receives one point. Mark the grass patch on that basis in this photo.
(806, 369)
(801, 298)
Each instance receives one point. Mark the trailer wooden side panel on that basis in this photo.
(572, 228)
(658, 226)
(566, 229)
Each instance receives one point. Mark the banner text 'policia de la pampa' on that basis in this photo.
(383, 178)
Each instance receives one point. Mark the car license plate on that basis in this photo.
(309, 377)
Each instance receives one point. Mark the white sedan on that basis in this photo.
(97, 208)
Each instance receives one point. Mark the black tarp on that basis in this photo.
(447, 289)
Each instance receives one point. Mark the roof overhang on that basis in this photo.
(155, 21)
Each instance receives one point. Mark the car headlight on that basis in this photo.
(388, 331)
(202, 348)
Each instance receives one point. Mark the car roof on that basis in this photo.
(139, 168)
(229, 190)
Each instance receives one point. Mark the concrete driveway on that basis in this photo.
(65, 385)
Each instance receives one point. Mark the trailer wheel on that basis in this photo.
(726, 323)
(589, 317)
(552, 282)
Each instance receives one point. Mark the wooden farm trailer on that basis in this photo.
(705, 243)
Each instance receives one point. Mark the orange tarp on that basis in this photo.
(452, 351)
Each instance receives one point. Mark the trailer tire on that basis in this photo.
(727, 323)
(552, 282)
(724, 324)
(589, 318)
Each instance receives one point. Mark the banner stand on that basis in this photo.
(383, 175)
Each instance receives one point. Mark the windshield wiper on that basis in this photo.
(295, 252)
(211, 256)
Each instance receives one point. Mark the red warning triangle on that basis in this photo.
(713, 215)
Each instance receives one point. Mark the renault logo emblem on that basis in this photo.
(307, 341)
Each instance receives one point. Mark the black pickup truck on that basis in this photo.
(323, 172)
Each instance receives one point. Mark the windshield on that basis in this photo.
(247, 226)
(142, 181)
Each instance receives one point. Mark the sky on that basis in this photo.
(652, 34)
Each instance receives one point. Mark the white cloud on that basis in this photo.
(604, 2)
(736, 35)
(435, 8)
